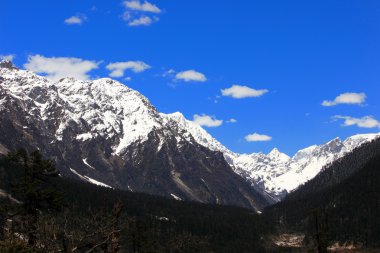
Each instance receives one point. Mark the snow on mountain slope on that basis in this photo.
(194, 132)
(100, 107)
(276, 173)
(108, 108)
(308, 163)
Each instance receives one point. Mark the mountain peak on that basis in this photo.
(334, 145)
(274, 151)
(177, 116)
(276, 154)
(335, 140)
(7, 64)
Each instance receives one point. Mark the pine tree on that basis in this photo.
(34, 192)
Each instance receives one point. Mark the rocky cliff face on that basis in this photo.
(106, 133)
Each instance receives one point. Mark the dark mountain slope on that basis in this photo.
(339, 170)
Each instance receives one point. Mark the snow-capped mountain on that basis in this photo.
(276, 174)
(105, 133)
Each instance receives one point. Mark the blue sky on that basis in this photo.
(290, 55)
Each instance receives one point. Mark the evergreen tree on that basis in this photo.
(33, 192)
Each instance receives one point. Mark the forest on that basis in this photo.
(47, 213)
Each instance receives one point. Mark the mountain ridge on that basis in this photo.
(105, 133)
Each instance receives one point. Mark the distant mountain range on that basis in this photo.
(275, 174)
(105, 133)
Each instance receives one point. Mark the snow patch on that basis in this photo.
(84, 137)
(93, 181)
(90, 180)
(85, 162)
(162, 218)
(79, 175)
(175, 197)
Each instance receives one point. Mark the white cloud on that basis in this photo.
(56, 68)
(136, 5)
(117, 68)
(206, 120)
(239, 91)
(76, 20)
(364, 122)
(191, 75)
(144, 20)
(138, 13)
(257, 137)
(8, 57)
(232, 120)
(346, 98)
